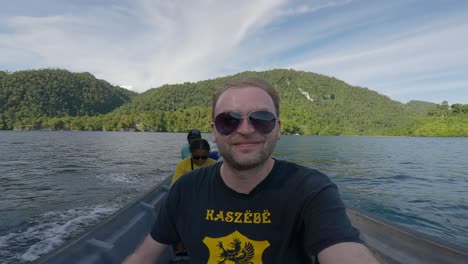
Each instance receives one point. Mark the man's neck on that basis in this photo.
(244, 181)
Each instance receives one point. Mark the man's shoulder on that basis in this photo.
(299, 173)
(209, 171)
(299, 170)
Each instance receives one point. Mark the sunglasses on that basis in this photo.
(199, 157)
(227, 122)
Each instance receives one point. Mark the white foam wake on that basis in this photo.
(50, 230)
(119, 178)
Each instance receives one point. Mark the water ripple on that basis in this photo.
(421, 183)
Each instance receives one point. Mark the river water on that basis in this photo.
(56, 184)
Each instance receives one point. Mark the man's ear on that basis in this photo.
(278, 133)
(213, 133)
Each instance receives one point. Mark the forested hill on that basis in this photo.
(311, 104)
(55, 93)
(421, 107)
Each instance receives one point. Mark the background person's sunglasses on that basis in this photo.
(199, 157)
(227, 122)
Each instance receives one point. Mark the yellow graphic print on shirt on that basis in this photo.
(235, 249)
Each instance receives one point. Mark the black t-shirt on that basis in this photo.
(294, 213)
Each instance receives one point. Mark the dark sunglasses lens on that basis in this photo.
(200, 157)
(263, 121)
(227, 122)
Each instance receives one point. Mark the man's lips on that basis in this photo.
(246, 143)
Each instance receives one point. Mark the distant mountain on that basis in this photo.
(421, 107)
(55, 93)
(311, 104)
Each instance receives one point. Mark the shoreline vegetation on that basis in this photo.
(312, 104)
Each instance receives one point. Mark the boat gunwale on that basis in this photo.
(147, 201)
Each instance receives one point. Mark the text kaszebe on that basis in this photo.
(247, 217)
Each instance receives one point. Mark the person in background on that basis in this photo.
(253, 208)
(214, 155)
(193, 134)
(199, 149)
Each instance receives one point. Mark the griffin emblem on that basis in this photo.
(235, 248)
(236, 253)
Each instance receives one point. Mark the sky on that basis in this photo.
(406, 50)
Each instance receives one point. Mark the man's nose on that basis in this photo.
(245, 127)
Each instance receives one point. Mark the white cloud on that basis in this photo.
(145, 43)
(394, 56)
(311, 7)
(175, 42)
(128, 87)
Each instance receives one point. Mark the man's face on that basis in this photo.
(245, 148)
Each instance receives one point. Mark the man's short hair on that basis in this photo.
(248, 82)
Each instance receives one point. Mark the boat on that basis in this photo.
(118, 235)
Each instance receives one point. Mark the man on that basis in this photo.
(185, 151)
(252, 208)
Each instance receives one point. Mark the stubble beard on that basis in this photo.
(249, 163)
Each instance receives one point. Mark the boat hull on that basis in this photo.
(116, 237)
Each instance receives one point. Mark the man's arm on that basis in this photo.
(347, 252)
(148, 252)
